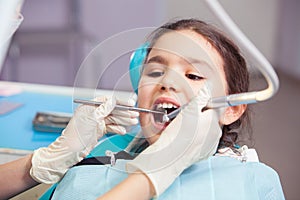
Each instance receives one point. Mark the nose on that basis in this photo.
(169, 81)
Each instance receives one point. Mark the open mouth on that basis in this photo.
(165, 107)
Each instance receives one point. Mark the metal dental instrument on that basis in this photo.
(164, 117)
(172, 114)
(251, 53)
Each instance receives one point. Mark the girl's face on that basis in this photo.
(176, 68)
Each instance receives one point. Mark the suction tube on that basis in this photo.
(251, 53)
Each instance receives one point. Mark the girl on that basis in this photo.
(185, 63)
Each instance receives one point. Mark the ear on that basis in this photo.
(232, 114)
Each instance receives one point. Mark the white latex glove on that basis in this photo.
(192, 136)
(88, 124)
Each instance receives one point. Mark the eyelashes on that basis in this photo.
(157, 70)
(155, 74)
(194, 77)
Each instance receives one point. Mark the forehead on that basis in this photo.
(188, 44)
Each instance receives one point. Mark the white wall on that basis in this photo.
(288, 54)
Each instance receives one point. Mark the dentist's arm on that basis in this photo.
(15, 177)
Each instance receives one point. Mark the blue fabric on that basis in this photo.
(135, 65)
(215, 178)
(114, 143)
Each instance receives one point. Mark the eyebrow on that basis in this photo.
(158, 59)
(161, 60)
(194, 60)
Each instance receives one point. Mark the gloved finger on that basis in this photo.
(84, 110)
(82, 115)
(121, 121)
(125, 113)
(101, 129)
(116, 129)
(202, 98)
(198, 102)
(105, 109)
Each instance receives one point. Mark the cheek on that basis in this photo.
(143, 120)
(216, 83)
(216, 87)
(144, 92)
(141, 98)
(147, 88)
(196, 86)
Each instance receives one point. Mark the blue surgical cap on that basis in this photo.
(135, 66)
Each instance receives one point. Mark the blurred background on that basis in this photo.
(56, 36)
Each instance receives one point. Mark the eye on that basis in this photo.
(154, 70)
(155, 74)
(194, 77)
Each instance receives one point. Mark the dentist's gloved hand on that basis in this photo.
(192, 136)
(88, 124)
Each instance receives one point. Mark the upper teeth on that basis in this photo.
(166, 105)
